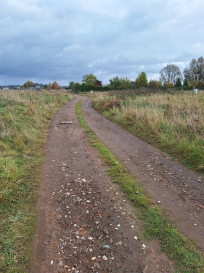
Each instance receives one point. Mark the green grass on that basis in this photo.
(172, 122)
(24, 117)
(183, 252)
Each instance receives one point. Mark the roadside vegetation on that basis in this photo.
(186, 257)
(172, 122)
(24, 117)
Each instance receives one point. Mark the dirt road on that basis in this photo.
(171, 185)
(84, 223)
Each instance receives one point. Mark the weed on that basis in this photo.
(171, 122)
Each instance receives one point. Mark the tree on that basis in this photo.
(49, 86)
(178, 83)
(89, 79)
(115, 82)
(55, 86)
(154, 84)
(170, 74)
(142, 79)
(195, 71)
(186, 84)
(28, 84)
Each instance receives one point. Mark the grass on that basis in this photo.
(182, 252)
(24, 117)
(172, 122)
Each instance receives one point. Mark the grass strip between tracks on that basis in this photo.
(24, 118)
(181, 251)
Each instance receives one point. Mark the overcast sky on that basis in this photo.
(48, 40)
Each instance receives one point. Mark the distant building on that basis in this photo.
(98, 83)
(133, 84)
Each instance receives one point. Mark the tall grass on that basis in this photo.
(24, 117)
(156, 225)
(172, 122)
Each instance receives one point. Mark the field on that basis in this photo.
(24, 117)
(171, 122)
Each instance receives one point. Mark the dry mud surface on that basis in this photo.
(84, 223)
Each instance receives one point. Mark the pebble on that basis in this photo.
(106, 247)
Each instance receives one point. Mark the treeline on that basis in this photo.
(31, 85)
(170, 78)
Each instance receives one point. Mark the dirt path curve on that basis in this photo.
(170, 184)
(82, 226)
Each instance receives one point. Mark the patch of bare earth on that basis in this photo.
(170, 185)
(84, 223)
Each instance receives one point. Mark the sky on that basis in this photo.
(49, 40)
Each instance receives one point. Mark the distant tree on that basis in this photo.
(178, 83)
(89, 79)
(55, 86)
(115, 82)
(118, 83)
(201, 85)
(186, 84)
(195, 71)
(154, 84)
(125, 82)
(28, 84)
(170, 74)
(142, 79)
(49, 86)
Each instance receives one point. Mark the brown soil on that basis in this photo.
(170, 185)
(84, 222)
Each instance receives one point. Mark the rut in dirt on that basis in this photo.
(84, 223)
(169, 184)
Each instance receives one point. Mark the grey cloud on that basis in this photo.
(48, 40)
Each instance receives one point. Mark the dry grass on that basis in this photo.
(173, 122)
(24, 117)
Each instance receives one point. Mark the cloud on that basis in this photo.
(46, 40)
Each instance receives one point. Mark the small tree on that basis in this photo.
(142, 79)
(49, 86)
(115, 82)
(178, 84)
(89, 79)
(154, 84)
(55, 86)
(28, 84)
(186, 84)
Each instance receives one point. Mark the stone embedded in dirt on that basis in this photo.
(106, 247)
(106, 231)
(105, 258)
(97, 266)
(66, 122)
(143, 246)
